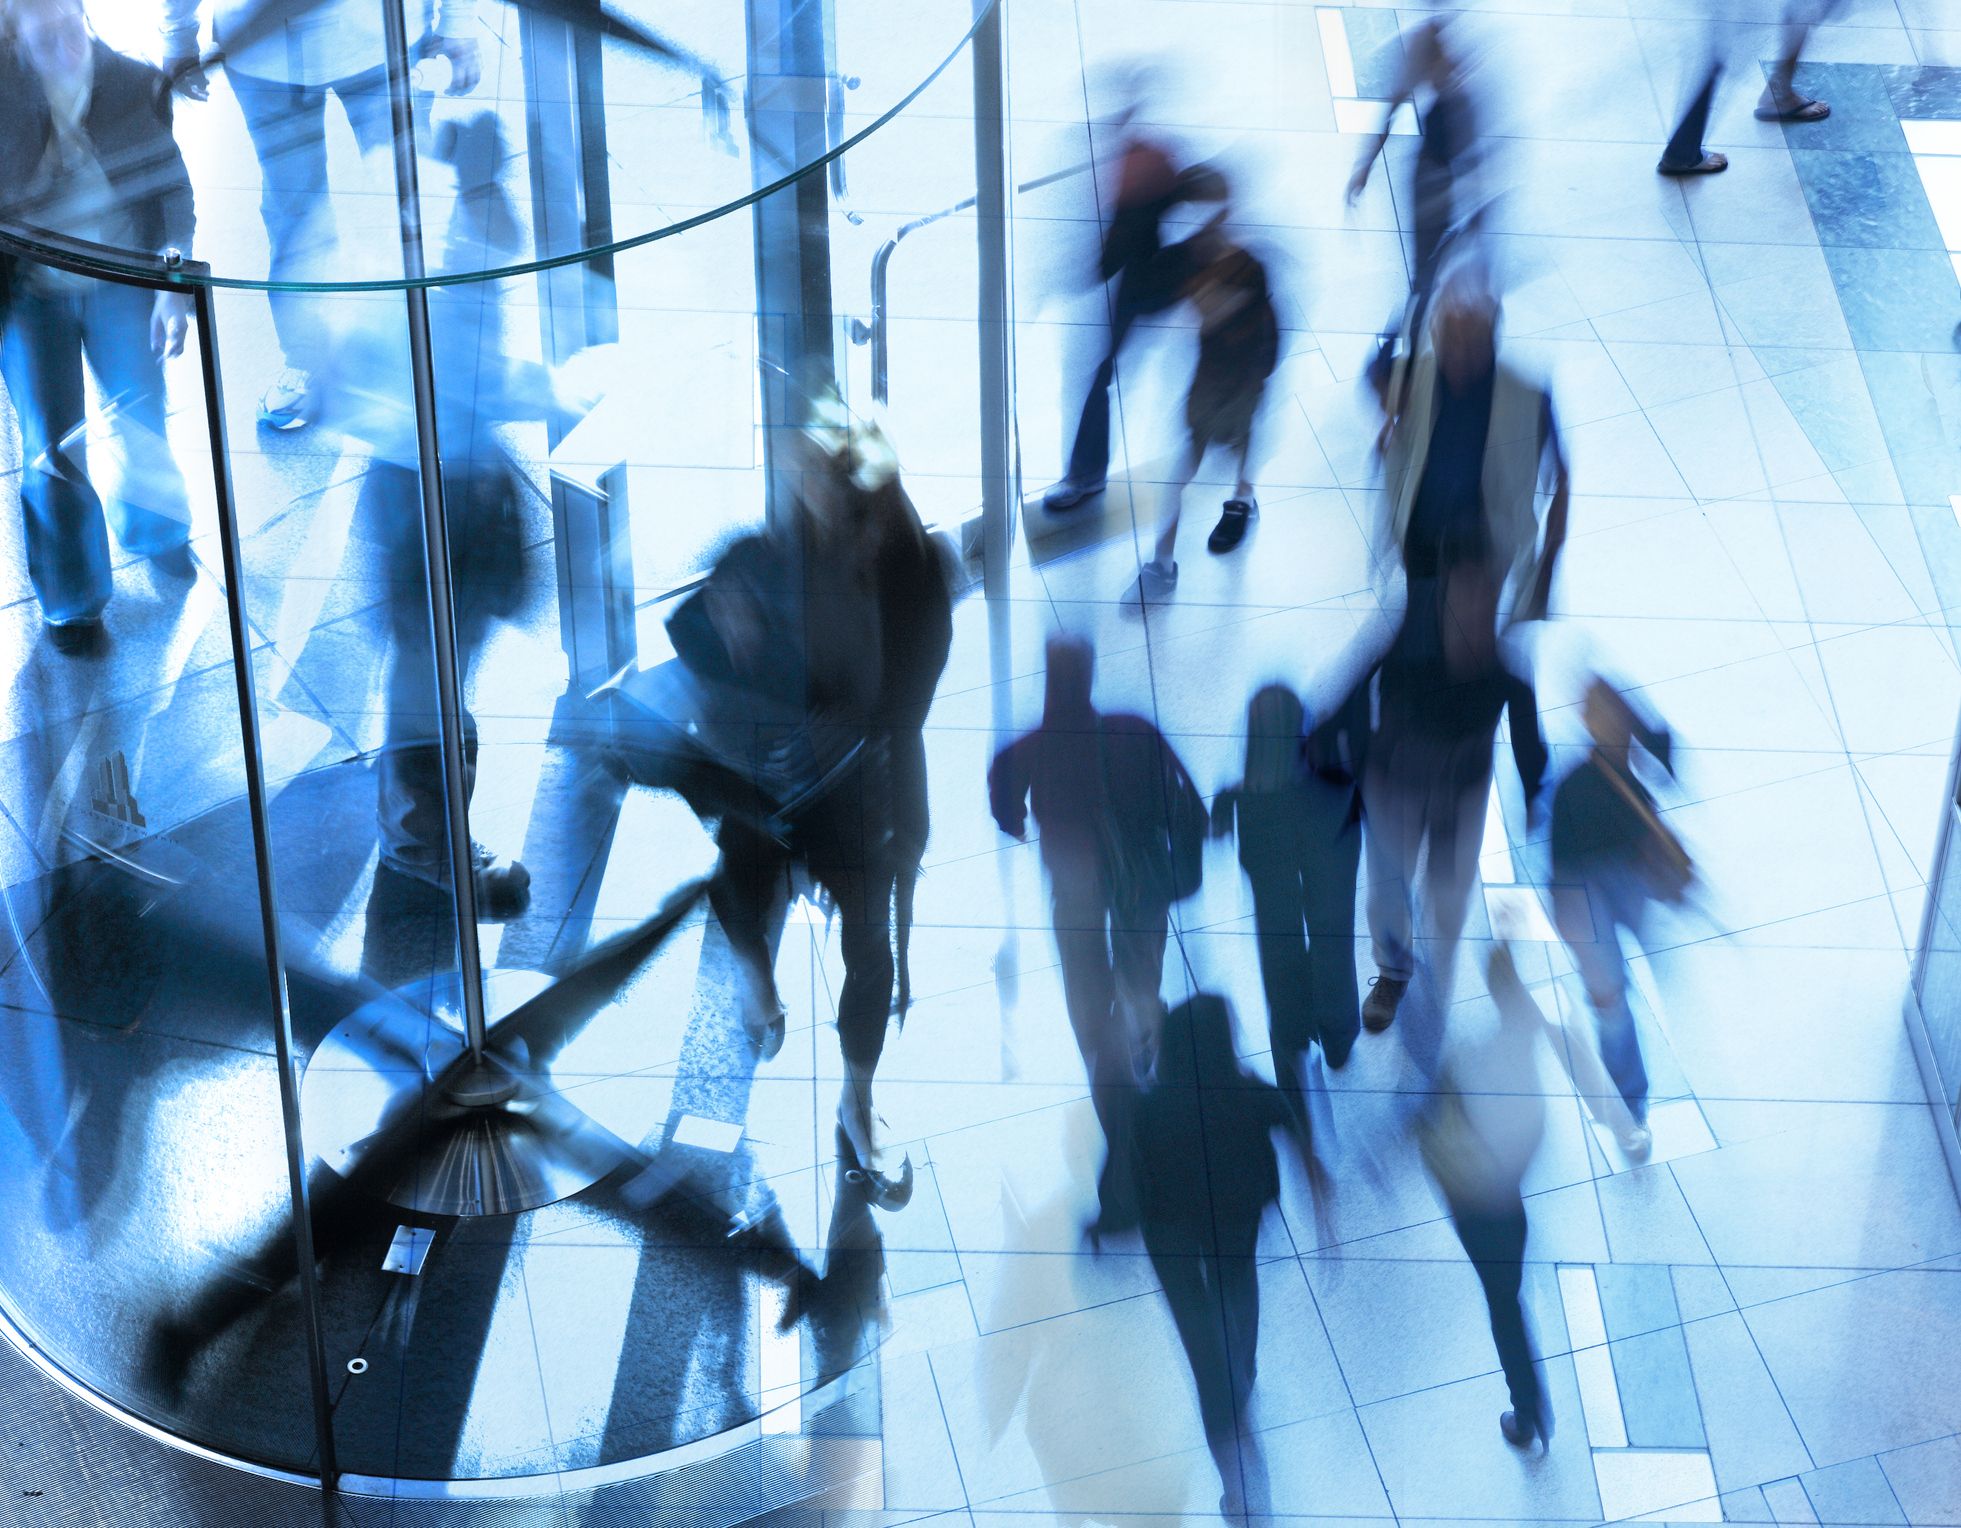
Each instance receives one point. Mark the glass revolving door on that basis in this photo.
(379, 1074)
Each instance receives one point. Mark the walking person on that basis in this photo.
(85, 133)
(1433, 80)
(1122, 833)
(1609, 841)
(1206, 1174)
(1781, 100)
(1440, 691)
(1478, 1138)
(1238, 349)
(1468, 444)
(1300, 846)
(1149, 278)
(284, 58)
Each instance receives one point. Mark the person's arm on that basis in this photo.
(1007, 787)
(180, 54)
(1405, 90)
(1528, 743)
(1223, 811)
(455, 39)
(1540, 598)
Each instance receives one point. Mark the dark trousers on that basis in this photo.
(1089, 456)
(1112, 953)
(1311, 991)
(842, 841)
(1215, 1304)
(48, 329)
(1494, 1239)
(409, 775)
(1685, 147)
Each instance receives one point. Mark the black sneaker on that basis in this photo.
(1231, 529)
(503, 890)
(78, 639)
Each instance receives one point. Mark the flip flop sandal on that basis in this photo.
(1710, 164)
(1803, 109)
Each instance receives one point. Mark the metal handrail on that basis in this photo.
(877, 332)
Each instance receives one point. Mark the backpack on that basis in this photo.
(1160, 858)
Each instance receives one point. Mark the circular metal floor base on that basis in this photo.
(391, 1101)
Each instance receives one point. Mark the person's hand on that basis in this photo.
(465, 63)
(170, 322)
(186, 76)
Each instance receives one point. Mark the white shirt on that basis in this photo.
(305, 42)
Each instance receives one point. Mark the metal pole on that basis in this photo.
(991, 232)
(233, 558)
(435, 529)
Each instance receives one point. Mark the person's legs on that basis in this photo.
(67, 541)
(1172, 506)
(1393, 833)
(1137, 938)
(1284, 969)
(152, 512)
(1684, 150)
(1612, 904)
(1494, 1240)
(1183, 1266)
(1334, 1001)
(1082, 940)
(1455, 835)
(1089, 454)
(288, 128)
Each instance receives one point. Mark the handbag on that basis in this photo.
(1666, 868)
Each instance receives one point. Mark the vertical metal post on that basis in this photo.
(435, 528)
(991, 232)
(788, 100)
(233, 557)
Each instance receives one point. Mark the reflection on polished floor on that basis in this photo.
(1751, 1319)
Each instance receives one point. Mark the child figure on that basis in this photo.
(1300, 846)
(1238, 349)
(1608, 839)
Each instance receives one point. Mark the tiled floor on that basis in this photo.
(1761, 401)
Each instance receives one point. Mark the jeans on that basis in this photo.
(1406, 814)
(47, 332)
(288, 126)
(1615, 903)
(1089, 456)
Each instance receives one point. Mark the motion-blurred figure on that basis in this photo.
(1238, 349)
(1300, 844)
(1149, 277)
(1780, 102)
(284, 58)
(478, 388)
(1122, 830)
(1206, 1172)
(1478, 1139)
(85, 137)
(1609, 839)
(846, 619)
(1440, 691)
(1469, 441)
(1433, 81)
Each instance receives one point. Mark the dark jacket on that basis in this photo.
(128, 123)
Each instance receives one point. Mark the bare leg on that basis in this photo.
(1174, 502)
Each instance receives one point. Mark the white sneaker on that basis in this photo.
(1636, 1139)
(288, 403)
(1157, 583)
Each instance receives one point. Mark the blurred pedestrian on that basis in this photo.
(1300, 846)
(1481, 1132)
(1608, 841)
(1206, 1173)
(284, 58)
(1433, 80)
(1469, 441)
(1238, 349)
(1122, 833)
(85, 134)
(1149, 278)
(1781, 100)
(1440, 691)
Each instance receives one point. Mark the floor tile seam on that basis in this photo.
(1756, 1347)
(953, 1241)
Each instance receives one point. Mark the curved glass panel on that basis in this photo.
(283, 124)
